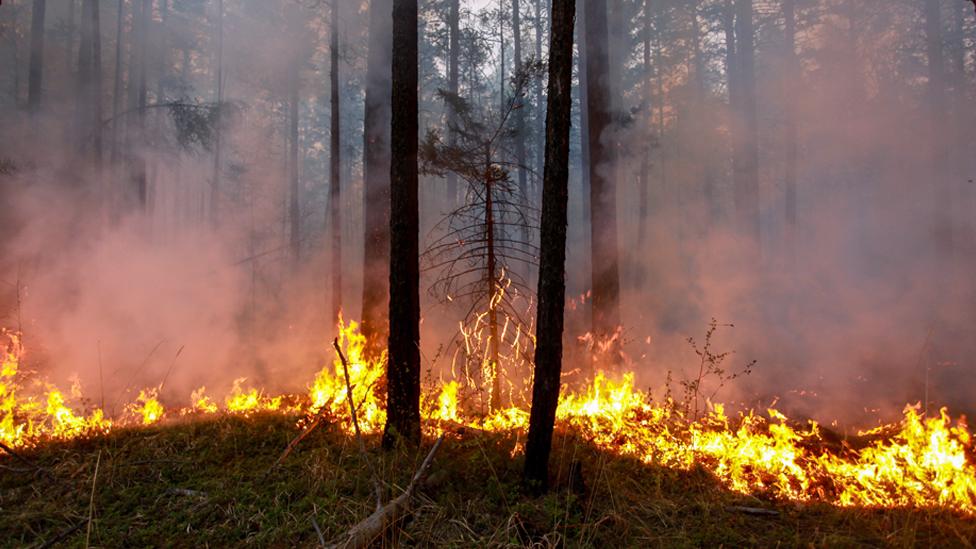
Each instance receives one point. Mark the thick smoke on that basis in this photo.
(866, 309)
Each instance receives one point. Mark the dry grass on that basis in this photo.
(203, 483)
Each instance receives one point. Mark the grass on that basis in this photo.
(205, 483)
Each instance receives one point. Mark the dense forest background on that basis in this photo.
(174, 201)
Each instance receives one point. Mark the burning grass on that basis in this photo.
(204, 482)
(922, 462)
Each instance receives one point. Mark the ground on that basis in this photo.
(207, 482)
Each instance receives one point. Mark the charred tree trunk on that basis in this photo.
(603, 197)
(335, 220)
(792, 77)
(219, 91)
(35, 74)
(552, 267)
(454, 38)
(745, 150)
(645, 163)
(403, 370)
(376, 176)
(137, 189)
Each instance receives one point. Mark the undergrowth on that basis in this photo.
(206, 482)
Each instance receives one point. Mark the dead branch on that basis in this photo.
(373, 526)
(754, 511)
(319, 419)
(355, 424)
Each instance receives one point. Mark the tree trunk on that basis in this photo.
(89, 85)
(745, 150)
(117, 82)
(219, 91)
(789, 93)
(540, 129)
(942, 212)
(603, 197)
(520, 119)
(491, 279)
(552, 267)
(294, 212)
(376, 176)
(452, 86)
(35, 74)
(645, 168)
(403, 370)
(335, 221)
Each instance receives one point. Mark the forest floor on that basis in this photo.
(205, 482)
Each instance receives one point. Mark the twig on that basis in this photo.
(171, 364)
(51, 542)
(91, 501)
(318, 531)
(355, 424)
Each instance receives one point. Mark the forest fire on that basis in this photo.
(920, 462)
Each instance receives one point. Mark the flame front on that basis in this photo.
(924, 461)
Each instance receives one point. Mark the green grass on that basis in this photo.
(471, 498)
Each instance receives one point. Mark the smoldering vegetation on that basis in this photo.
(174, 249)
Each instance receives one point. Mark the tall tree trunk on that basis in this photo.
(540, 130)
(335, 221)
(645, 163)
(163, 53)
(520, 118)
(88, 95)
(454, 38)
(117, 82)
(403, 370)
(294, 212)
(942, 213)
(789, 93)
(603, 197)
(218, 99)
(745, 155)
(502, 75)
(376, 177)
(584, 129)
(552, 266)
(35, 74)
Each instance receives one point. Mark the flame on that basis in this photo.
(147, 407)
(920, 461)
(328, 391)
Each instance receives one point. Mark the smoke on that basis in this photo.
(864, 310)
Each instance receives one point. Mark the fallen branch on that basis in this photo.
(319, 419)
(754, 511)
(373, 526)
(355, 424)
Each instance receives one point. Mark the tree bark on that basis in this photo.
(376, 176)
(403, 369)
(335, 219)
(552, 267)
(117, 89)
(540, 129)
(603, 197)
(35, 74)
